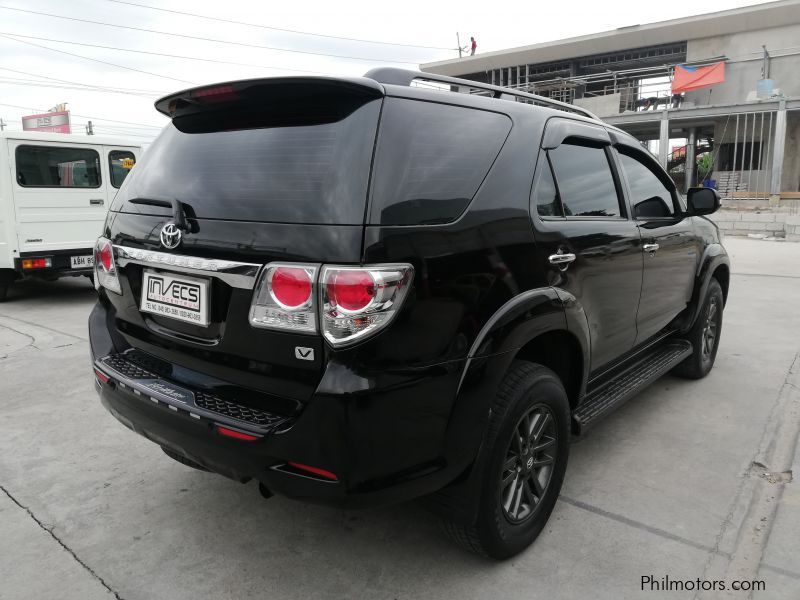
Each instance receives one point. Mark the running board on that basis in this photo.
(628, 383)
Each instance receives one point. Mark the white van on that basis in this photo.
(55, 190)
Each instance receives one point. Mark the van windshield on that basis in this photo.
(307, 173)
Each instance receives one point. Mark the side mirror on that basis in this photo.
(703, 201)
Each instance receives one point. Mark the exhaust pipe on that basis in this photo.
(264, 491)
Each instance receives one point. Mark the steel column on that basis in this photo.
(663, 140)
(691, 153)
(778, 148)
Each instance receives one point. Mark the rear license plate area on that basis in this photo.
(81, 262)
(174, 296)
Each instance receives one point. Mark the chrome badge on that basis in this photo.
(170, 236)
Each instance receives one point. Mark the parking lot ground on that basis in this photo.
(677, 483)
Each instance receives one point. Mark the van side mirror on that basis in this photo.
(703, 201)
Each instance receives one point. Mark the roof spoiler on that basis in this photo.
(217, 95)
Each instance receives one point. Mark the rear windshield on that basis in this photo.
(430, 160)
(310, 173)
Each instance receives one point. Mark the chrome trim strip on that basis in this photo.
(236, 274)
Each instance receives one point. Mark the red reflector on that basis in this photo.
(101, 376)
(352, 290)
(236, 434)
(291, 287)
(104, 255)
(36, 263)
(314, 470)
(220, 93)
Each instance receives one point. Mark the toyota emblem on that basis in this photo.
(170, 236)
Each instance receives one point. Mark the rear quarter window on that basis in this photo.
(431, 159)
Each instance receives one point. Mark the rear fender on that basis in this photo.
(520, 320)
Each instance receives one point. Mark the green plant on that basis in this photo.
(704, 166)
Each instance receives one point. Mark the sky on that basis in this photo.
(409, 33)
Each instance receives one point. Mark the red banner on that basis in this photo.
(687, 78)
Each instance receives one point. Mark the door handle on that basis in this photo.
(562, 259)
(97, 202)
(650, 248)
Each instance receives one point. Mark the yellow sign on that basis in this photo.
(127, 163)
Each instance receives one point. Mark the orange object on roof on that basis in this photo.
(688, 78)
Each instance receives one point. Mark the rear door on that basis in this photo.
(670, 247)
(59, 193)
(589, 245)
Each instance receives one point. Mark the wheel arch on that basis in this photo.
(542, 325)
(559, 351)
(723, 275)
(713, 264)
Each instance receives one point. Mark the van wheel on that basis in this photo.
(528, 441)
(7, 277)
(704, 335)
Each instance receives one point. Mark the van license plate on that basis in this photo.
(177, 297)
(81, 262)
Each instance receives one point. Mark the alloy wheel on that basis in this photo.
(710, 329)
(528, 465)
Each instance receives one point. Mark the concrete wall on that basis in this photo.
(744, 68)
(602, 106)
(759, 224)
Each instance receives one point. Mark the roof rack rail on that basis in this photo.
(395, 76)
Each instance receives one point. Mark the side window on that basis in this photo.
(120, 162)
(650, 197)
(546, 194)
(585, 183)
(50, 166)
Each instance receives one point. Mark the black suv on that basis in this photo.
(363, 291)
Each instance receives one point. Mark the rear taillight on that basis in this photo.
(36, 263)
(105, 268)
(284, 298)
(350, 304)
(358, 301)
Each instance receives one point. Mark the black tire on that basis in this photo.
(704, 335)
(528, 391)
(7, 277)
(182, 459)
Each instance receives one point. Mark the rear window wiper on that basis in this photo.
(178, 216)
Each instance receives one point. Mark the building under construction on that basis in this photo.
(741, 133)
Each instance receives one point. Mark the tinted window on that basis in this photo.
(431, 159)
(48, 166)
(546, 196)
(316, 172)
(584, 181)
(120, 163)
(649, 196)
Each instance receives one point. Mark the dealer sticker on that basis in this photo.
(176, 297)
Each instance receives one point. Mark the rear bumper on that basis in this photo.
(61, 263)
(384, 442)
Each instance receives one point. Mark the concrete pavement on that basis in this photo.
(667, 486)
